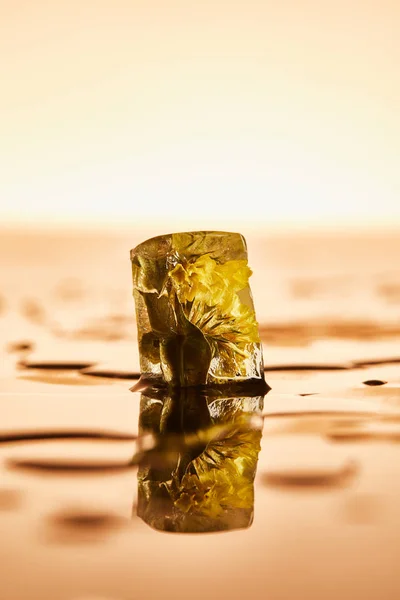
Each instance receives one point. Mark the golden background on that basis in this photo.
(206, 114)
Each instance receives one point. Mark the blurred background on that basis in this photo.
(208, 113)
(122, 120)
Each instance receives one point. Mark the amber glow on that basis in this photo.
(269, 112)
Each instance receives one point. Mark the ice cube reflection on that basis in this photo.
(200, 476)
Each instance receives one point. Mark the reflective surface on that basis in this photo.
(200, 476)
(97, 481)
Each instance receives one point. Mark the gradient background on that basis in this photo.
(204, 113)
(123, 119)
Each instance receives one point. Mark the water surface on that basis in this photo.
(109, 493)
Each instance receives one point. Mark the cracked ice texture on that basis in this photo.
(195, 314)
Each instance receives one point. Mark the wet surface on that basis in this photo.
(78, 526)
(55, 365)
(61, 464)
(321, 477)
(111, 493)
(10, 499)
